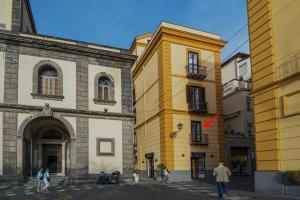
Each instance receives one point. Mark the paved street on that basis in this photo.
(143, 191)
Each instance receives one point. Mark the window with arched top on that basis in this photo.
(48, 81)
(104, 89)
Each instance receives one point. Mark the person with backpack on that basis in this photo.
(46, 179)
(40, 177)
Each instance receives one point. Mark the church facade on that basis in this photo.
(64, 105)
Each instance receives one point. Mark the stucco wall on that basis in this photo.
(179, 56)
(183, 149)
(1, 143)
(5, 13)
(2, 62)
(25, 82)
(236, 102)
(72, 121)
(116, 74)
(289, 128)
(101, 128)
(148, 140)
(179, 94)
(229, 72)
(179, 62)
(286, 30)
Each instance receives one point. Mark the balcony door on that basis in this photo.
(196, 98)
(193, 62)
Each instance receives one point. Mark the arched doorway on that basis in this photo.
(46, 144)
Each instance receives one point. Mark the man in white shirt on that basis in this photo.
(222, 174)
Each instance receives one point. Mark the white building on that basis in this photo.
(238, 114)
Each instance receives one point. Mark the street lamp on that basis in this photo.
(179, 128)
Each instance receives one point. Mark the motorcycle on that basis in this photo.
(105, 178)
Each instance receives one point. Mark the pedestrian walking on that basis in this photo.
(222, 174)
(40, 180)
(165, 176)
(46, 180)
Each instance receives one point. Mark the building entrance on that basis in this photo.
(46, 144)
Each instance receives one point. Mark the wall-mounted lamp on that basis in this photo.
(179, 128)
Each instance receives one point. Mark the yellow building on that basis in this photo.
(177, 81)
(275, 57)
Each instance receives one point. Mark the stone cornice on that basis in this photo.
(65, 46)
(65, 110)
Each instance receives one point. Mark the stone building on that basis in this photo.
(64, 105)
(238, 114)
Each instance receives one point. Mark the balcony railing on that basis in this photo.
(199, 139)
(198, 106)
(196, 72)
(235, 85)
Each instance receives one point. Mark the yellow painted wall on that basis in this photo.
(183, 149)
(274, 43)
(179, 93)
(289, 126)
(179, 60)
(179, 56)
(263, 73)
(148, 138)
(286, 29)
(160, 86)
(6, 13)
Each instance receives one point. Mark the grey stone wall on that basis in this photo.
(10, 144)
(82, 85)
(82, 146)
(11, 75)
(127, 148)
(10, 118)
(16, 15)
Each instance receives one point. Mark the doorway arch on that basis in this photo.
(45, 142)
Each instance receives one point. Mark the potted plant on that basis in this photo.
(291, 177)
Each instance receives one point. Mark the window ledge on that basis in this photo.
(102, 102)
(199, 143)
(47, 97)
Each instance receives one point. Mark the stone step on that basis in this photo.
(54, 181)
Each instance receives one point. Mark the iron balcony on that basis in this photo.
(199, 139)
(196, 72)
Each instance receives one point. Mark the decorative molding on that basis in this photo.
(47, 110)
(47, 97)
(66, 110)
(35, 76)
(112, 143)
(102, 102)
(78, 48)
(111, 95)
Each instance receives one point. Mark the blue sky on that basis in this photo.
(117, 22)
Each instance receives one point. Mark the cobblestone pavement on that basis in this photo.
(130, 191)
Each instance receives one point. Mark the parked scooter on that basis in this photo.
(112, 178)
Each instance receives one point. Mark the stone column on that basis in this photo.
(82, 103)
(10, 118)
(127, 125)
